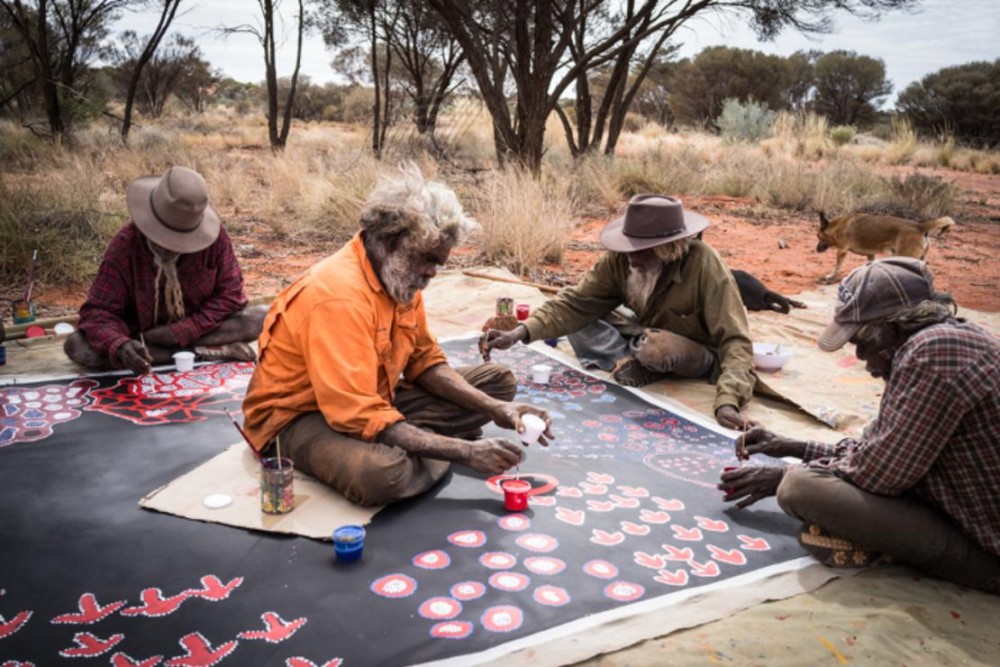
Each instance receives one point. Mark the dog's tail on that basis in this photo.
(940, 225)
(780, 304)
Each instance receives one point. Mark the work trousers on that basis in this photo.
(603, 343)
(373, 473)
(906, 528)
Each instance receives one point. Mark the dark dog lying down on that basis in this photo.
(756, 295)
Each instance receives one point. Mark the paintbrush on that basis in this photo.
(741, 453)
(244, 434)
(142, 340)
(31, 278)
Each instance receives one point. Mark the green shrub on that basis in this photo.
(750, 121)
(841, 135)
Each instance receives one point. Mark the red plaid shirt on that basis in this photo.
(937, 430)
(121, 299)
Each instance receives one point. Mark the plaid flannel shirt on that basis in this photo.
(937, 432)
(121, 300)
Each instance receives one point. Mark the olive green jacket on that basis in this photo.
(696, 297)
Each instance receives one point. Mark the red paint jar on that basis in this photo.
(515, 494)
(523, 310)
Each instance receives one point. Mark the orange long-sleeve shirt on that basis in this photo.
(335, 342)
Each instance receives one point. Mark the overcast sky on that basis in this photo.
(912, 44)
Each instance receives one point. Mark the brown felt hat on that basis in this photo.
(173, 210)
(875, 290)
(651, 220)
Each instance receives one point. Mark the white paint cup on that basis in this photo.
(534, 426)
(184, 361)
(540, 373)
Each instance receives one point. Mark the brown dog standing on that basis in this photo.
(866, 234)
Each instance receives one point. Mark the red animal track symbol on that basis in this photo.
(90, 611)
(7, 628)
(154, 604)
(305, 662)
(572, 517)
(622, 501)
(671, 505)
(88, 645)
(653, 562)
(593, 489)
(687, 534)
(213, 588)
(731, 556)
(542, 501)
(717, 526)
(125, 660)
(709, 569)
(276, 629)
(650, 516)
(672, 577)
(754, 543)
(634, 491)
(600, 505)
(607, 539)
(673, 553)
(199, 652)
(600, 478)
(635, 529)
(569, 492)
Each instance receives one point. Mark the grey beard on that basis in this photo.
(398, 280)
(639, 286)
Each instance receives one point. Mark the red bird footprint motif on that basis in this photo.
(276, 629)
(90, 611)
(200, 652)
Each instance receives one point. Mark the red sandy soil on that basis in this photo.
(777, 246)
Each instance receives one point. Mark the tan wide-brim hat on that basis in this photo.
(649, 221)
(173, 210)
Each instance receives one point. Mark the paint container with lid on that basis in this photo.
(349, 542)
(523, 310)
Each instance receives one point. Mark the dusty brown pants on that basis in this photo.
(371, 473)
(908, 529)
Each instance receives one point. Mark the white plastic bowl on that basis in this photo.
(770, 357)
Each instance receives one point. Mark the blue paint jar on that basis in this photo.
(3, 355)
(349, 542)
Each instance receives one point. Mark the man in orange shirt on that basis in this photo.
(351, 380)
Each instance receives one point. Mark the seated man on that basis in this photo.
(686, 319)
(920, 485)
(350, 379)
(169, 280)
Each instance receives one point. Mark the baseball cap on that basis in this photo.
(876, 290)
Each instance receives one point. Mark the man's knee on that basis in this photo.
(394, 476)
(799, 492)
(78, 349)
(666, 352)
(494, 380)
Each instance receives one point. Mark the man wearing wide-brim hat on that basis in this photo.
(920, 485)
(169, 281)
(659, 304)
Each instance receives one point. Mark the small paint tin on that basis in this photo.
(515, 494)
(523, 310)
(277, 496)
(3, 355)
(23, 312)
(349, 542)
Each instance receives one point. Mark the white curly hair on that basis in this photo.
(407, 208)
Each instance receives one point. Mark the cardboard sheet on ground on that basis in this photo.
(235, 473)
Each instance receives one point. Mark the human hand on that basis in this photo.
(134, 356)
(509, 416)
(494, 339)
(161, 336)
(752, 483)
(493, 455)
(759, 440)
(730, 417)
